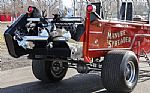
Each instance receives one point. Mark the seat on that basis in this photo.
(79, 31)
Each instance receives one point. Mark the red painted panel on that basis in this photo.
(108, 35)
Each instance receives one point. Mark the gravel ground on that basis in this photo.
(8, 62)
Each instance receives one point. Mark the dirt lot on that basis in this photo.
(8, 62)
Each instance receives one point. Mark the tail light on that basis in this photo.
(91, 8)
(30, 9)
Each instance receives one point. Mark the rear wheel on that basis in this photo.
(49, 71)
(120, 71)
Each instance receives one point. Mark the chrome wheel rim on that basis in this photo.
(57, 68)
(130, 73)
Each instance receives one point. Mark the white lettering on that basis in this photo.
(117, 38)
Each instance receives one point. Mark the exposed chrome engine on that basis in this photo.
(49, 31)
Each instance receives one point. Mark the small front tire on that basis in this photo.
(49, 71)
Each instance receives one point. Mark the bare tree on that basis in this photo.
(148, 2)
(118, 9)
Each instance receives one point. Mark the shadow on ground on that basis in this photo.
(81, 83)
(144, 75)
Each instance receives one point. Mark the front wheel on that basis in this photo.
(120, 71)
(49, 71)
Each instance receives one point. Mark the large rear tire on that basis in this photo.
(49, 71)
(120, 71)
